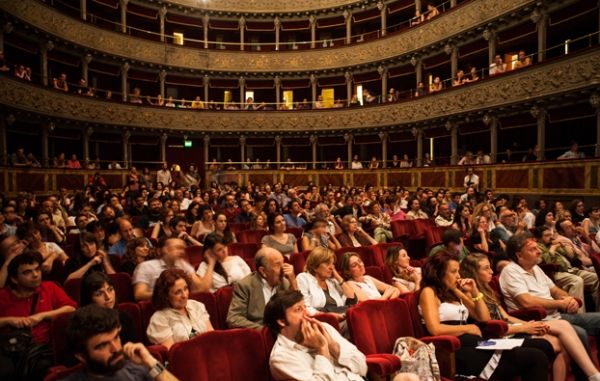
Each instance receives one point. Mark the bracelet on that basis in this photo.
(478, 297)
(156, 370)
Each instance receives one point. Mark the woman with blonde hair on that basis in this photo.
(559, 332)
(406, 278)
(353, 235)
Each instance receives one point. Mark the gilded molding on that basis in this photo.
(266, 6)
(471, 15)
(567, 75)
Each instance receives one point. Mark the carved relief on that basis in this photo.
(570, 74)
(471, 15)
(266, 6)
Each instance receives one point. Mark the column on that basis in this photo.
(83, 9)
(163, 147)
(87, 132)
(492, 122)
(242, 24)
(124, 71)
(418, 5)
(2, 37)
(383, 10)
(312, 20)
(491, 37)
(418, 134)
(384, 148)
(314, 140)
(452, 3)
(540, 18)
(277, 24)
(161, 77)
(126, 135)
(418, 64)
(277, 151)
(206, 83)
(3, 148)
(348, 77)
(45, 138)
(242, 82)
(206, 140)
(123, 6)
(85, 62)
(313, 85)
(243, 149)
(450, 126)
(348, 139)
(383, 71)
(452, 50)
(277, 81)
(162, 14)
(205, 20)
(539, 113)
(595, 102)
(45, 47)
(348, 18)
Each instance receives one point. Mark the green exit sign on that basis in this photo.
(187, 143)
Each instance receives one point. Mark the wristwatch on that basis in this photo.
(156, 370)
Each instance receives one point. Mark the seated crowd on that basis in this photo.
(313, 254)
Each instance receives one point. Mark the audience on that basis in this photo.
(278, 239)
(365, 286)
(219, 269)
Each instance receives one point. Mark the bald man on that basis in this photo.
(252, 293)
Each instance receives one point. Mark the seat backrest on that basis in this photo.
(134, 312)
(231, 355)
(58, 336)
(244, 250)
(223, 298)
(421, 226)
(210, 302)
(194, 255)
(376, 324)
(412, 302)
(60, 372)
(298, 260)
(123, 287)
(330, 319)
(146, 311)
(376, 272)
(73, 289)
(250, 236)
(403, 228)
(433, 236)
(297, 232)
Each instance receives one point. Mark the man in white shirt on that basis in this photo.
(356, 164)
(471, 179)
(163, 175)
(306, 349)
(444, 218)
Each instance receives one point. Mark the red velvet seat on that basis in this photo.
(433, 236)
(58, 337)
(297, 232)
(210, 302)
(250, 236)
(402, 230)
(59, 372)
(223, 298)
(146, 311)
(232, 355)
(366, 254)
(237, 227)
(298, 260)
(194, 255)
(122, 282)
(244, 250)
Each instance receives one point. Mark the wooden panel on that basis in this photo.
(260, 178)
(30, 182)
(512, 178)
(433, 179)
(296, 179)
(459, 178)
(71, 181)
(564, 178)
(229, 177)
(331, 178)
(113, 181)
(362, 179)
(399, 179)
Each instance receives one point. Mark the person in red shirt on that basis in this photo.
(17, 309)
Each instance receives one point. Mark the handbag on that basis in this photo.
(17, 340)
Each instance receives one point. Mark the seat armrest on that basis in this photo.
(493, 328)
(528, 314)
(383, 364)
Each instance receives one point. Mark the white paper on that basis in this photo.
(501, 344)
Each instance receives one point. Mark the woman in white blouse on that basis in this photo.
(365, 286)
(323, 288)
(220, 269)
(177, 318)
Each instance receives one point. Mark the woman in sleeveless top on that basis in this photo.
(445, 303)
(366, 287)
(560, 334)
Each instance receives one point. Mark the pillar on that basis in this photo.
(206, 83)
(161, 77)
(539, 113)
(87, 132)
(313, 85)
(312, 20)
(162, 14)
(418, 64)
(348, 18)
(595, 102)
(163, 147)
(383, 71)
(243, 149)
(452, 3)
(314, 140)
(45, 47)
(277, 151)
(418, 5)
(277, 81)
(242, 24)
(383, 12)
(491, 37)
(206, 140)
(126, 135)
(348, 77)
(277, 24)
(384, 148)
(3, 147)
(540, 18)
(418, 134)
(453, 142)
(124, 71)
(123, 6)
(492, 122)
(242, 83)
(452, 50)
(85, 62)
(45, 138)
(205, 20)
(83, 9)
(348, 140)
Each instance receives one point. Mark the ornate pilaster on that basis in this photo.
(595, 102)
(243, 148)
(348, 18)
(312, 20)
(348, 139)
(277, 24)
(450, 126)
(349, 80)
(242, 24)
(161, 77)
(313, 86)
(45, 47)
(418, 134)
(452, 51)
(383, 13)
(491, 37)
(83, 9)
(383, 72)
(123, 6)
(277, 82)
(124, 71)
(242, 83)
(383, 136)
(206, 83)
(206, 141)
(277, 151)
(3, 147)
(162, 14)
(539, 113)
(418, 64)
(85, 62)
(314, 141)
(205, 20)
(540, 18)
(46, 128)
(126, 149)
(87, 132)
(163, 147)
